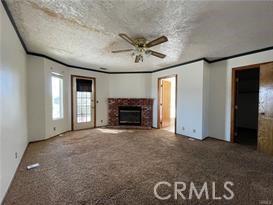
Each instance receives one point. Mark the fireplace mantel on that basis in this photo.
(146, 105)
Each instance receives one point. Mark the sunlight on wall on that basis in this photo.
(172, 80)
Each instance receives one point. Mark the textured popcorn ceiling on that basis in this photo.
(83, 32)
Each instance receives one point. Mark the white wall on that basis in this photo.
(41, 124)
(13, 110)
(36, 98)
(190, 85)
(220, 91)
(130, 85)
(206, 82)
(217, 100)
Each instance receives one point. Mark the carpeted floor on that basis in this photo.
(107, 166)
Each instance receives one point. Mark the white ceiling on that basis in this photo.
(83, 32)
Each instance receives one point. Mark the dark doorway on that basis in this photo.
(246, 106)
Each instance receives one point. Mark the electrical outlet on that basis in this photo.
(101, 121)
(183, 128)
(16, 155)
(54, 128)
(194, 131)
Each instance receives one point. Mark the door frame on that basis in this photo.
(159, 96)
(233, 95)
(72, 97)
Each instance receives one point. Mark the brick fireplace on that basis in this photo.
(139, 112)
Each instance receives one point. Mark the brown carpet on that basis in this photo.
(106, 166)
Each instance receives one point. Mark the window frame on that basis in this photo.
(61, 91)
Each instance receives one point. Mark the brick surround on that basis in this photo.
(146, 105)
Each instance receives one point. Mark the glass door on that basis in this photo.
(83, 103)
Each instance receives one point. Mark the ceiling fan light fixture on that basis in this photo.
(148, 53)
(142, 47)
(141, 58)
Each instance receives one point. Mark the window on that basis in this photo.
(83, 107)
(57, 96)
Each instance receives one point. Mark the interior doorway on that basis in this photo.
(167, 87)
(252, 106)
(246, 106)
(83, 102)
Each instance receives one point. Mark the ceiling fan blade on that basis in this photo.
(159, 55)
(127, 38)
(121, 51)
(137, 59)
(157, 41)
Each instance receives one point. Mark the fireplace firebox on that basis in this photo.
(130, 115)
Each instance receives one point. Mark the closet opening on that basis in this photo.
(246, 105)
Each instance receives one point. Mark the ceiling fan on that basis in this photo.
(142, 47)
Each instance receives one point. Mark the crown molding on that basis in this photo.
(64, 64)
(4, 3)
(242, 54)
